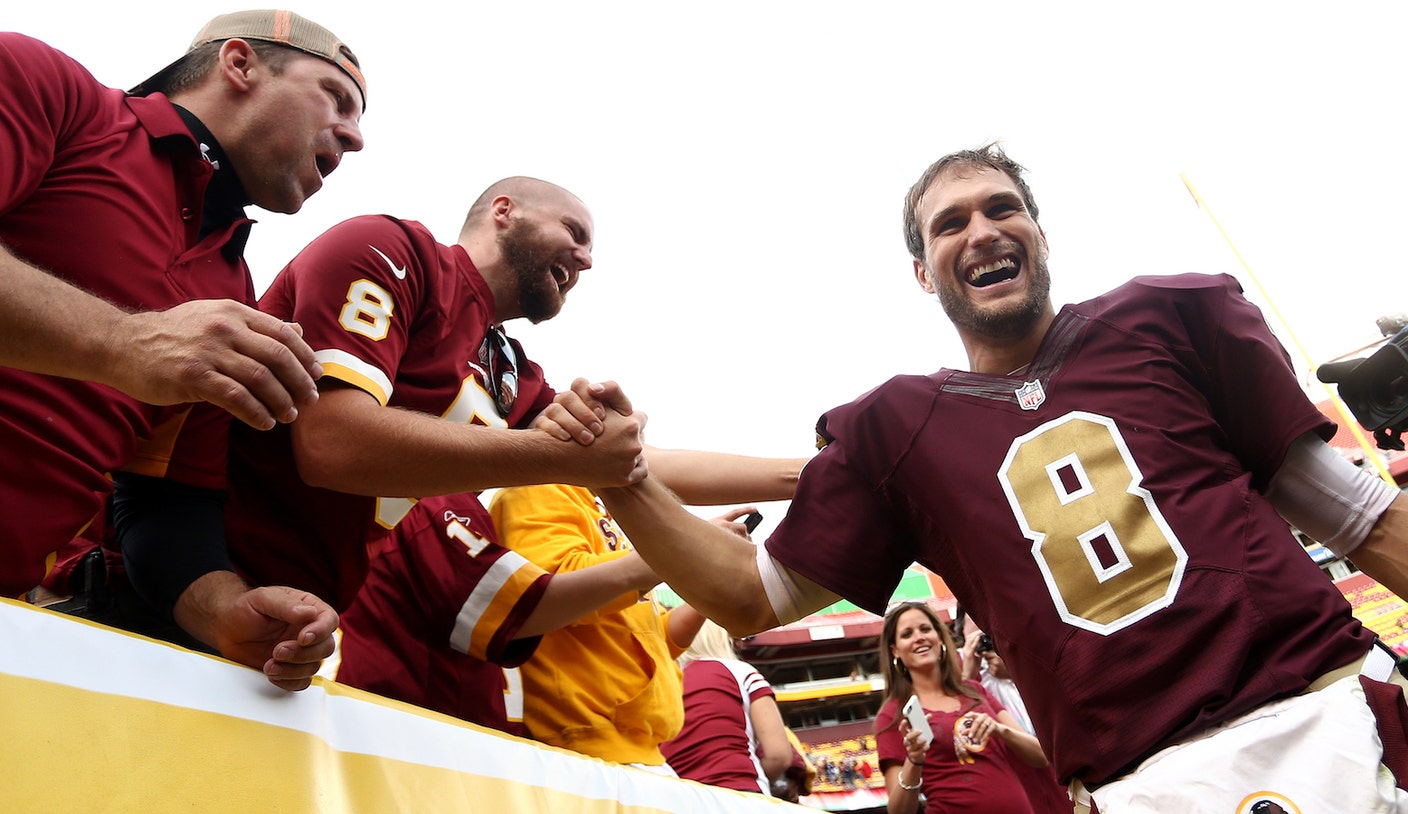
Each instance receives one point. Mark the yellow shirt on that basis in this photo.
(606, 685)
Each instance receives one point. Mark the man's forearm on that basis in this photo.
(348, 442)
(51, 326)
(573, 594)
(199, 608)
(221, 351)
(702, 478)
(710, 568)
(398, 453)
(1384, 553)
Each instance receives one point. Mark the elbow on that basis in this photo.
(322, 462)
(742, 620)
(317, 470)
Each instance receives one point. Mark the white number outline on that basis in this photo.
(1102, 574)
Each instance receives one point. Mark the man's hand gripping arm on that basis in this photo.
(249, 363)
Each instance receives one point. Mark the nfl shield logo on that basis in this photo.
(1030, 395)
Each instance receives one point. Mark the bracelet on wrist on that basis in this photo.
(914, 787)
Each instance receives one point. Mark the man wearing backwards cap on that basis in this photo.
(123, 286)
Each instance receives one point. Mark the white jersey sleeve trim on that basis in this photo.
(1325, 496)
(343, 366)
(791, 595)
(481, 599)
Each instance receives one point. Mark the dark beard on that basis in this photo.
(530, 261)
(1007, 324)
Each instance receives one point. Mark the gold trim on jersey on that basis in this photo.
(343, 366)
(154, 454)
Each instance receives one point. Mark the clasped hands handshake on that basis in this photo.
(608, 430)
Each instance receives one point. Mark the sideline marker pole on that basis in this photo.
(1370, 452)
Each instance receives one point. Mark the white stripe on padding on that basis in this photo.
(387, 746)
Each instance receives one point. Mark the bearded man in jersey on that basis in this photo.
(1106, 491)
(423, 394)
(425, 398)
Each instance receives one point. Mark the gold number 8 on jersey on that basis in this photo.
(1108, 556)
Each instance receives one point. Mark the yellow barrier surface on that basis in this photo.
(100, 720)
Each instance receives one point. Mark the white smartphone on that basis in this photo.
(914, 713)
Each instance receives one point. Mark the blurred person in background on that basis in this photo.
(799, 777)
(733, 735)
(981, 663)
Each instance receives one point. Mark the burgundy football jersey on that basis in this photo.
(388, 310)
(716, 746)
(1097, 515)
(438, 613)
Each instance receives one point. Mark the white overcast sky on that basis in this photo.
(746, 164)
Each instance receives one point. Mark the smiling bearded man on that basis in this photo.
(422, 392)
(1107, 490)
(536, 264)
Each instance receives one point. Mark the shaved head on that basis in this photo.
(522, 190)
(530, 240)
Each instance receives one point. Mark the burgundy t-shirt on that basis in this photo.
(717, 744)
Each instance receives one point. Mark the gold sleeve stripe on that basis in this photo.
(487, 608)
(343, 366)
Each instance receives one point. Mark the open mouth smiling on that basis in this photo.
(996, 271)
(560, 275)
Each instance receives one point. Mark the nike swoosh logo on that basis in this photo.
(399, 272)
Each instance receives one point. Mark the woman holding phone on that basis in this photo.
(967, 767)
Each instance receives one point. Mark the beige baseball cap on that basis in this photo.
(270, 25)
